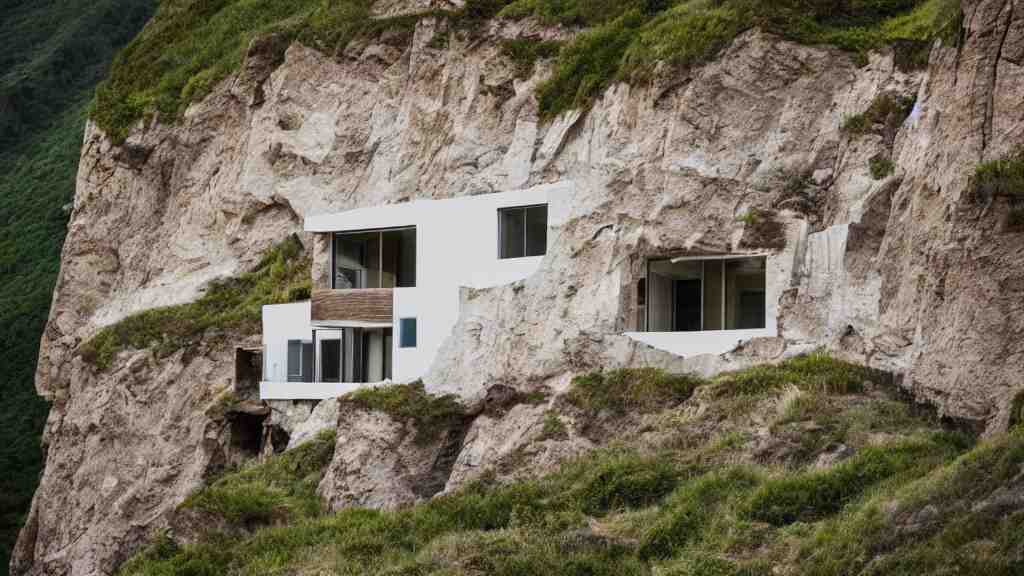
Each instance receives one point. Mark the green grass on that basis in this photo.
(816, 372)
(630, 45)
(628, 510)
(630, 390)
(429, 415)
(282, 489)
(226, 307)
(191, 45)
(816, 494)
(1002, 177)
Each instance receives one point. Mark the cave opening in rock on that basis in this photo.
(246, 434)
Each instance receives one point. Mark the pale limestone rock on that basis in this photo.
(377, 462)
(908, 274)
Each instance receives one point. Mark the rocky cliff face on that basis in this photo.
(908, 273)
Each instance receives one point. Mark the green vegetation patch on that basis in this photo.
(880, 167)
(815, 494)
(525, 52)
(817, 371)
(191, 45)
(227, 306)
(924, 502)
(631, 390)
(281, 489)
(627, 42)
(884, 116)
(53, 54)
(428, 414)
(1002, 177)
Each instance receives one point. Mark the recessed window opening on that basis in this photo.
(523, 231)
(407, 333)
(705, 295)
(374, 259)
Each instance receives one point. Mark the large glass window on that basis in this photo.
(523, 231)
(694, 295)
(376, 259)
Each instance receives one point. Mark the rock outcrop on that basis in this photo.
(909, 273)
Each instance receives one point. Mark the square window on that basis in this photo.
(407, 333)
(522, 231)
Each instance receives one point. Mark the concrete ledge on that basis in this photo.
(687, 344)
(308, 390)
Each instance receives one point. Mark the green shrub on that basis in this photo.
(430, 415)
(227, 306)
(812, 495)
(631, 390)
(880, 167)
(886, 114)
(1002, 177)
(686, 35)
(815, 372)
(283, 488)
(587, 65)
(525, 52)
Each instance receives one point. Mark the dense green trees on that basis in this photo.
(54, 52)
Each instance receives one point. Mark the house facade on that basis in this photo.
(387, 284)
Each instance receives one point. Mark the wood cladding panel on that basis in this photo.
(358, 305)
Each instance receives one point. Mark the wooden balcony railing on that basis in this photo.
(358, 305)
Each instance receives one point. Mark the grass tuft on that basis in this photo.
(429, 415)
(815, 372)
(631, 390)
(227, 306)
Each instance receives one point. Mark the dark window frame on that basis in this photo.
(501, 230)
(380, 231)
(403, 323)
(703, 261)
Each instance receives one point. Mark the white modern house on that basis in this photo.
(395, 273)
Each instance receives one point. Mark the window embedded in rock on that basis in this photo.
(705, 295)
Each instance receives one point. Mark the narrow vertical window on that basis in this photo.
(407, 333)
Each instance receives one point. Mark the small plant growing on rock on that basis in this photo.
(429, 415)
(1003, 177)
(883, 117)
(631, 390)
(553, 428)
(880, 166)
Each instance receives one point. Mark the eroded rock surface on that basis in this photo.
(908, 273)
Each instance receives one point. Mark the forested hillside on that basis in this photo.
(54, 52)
